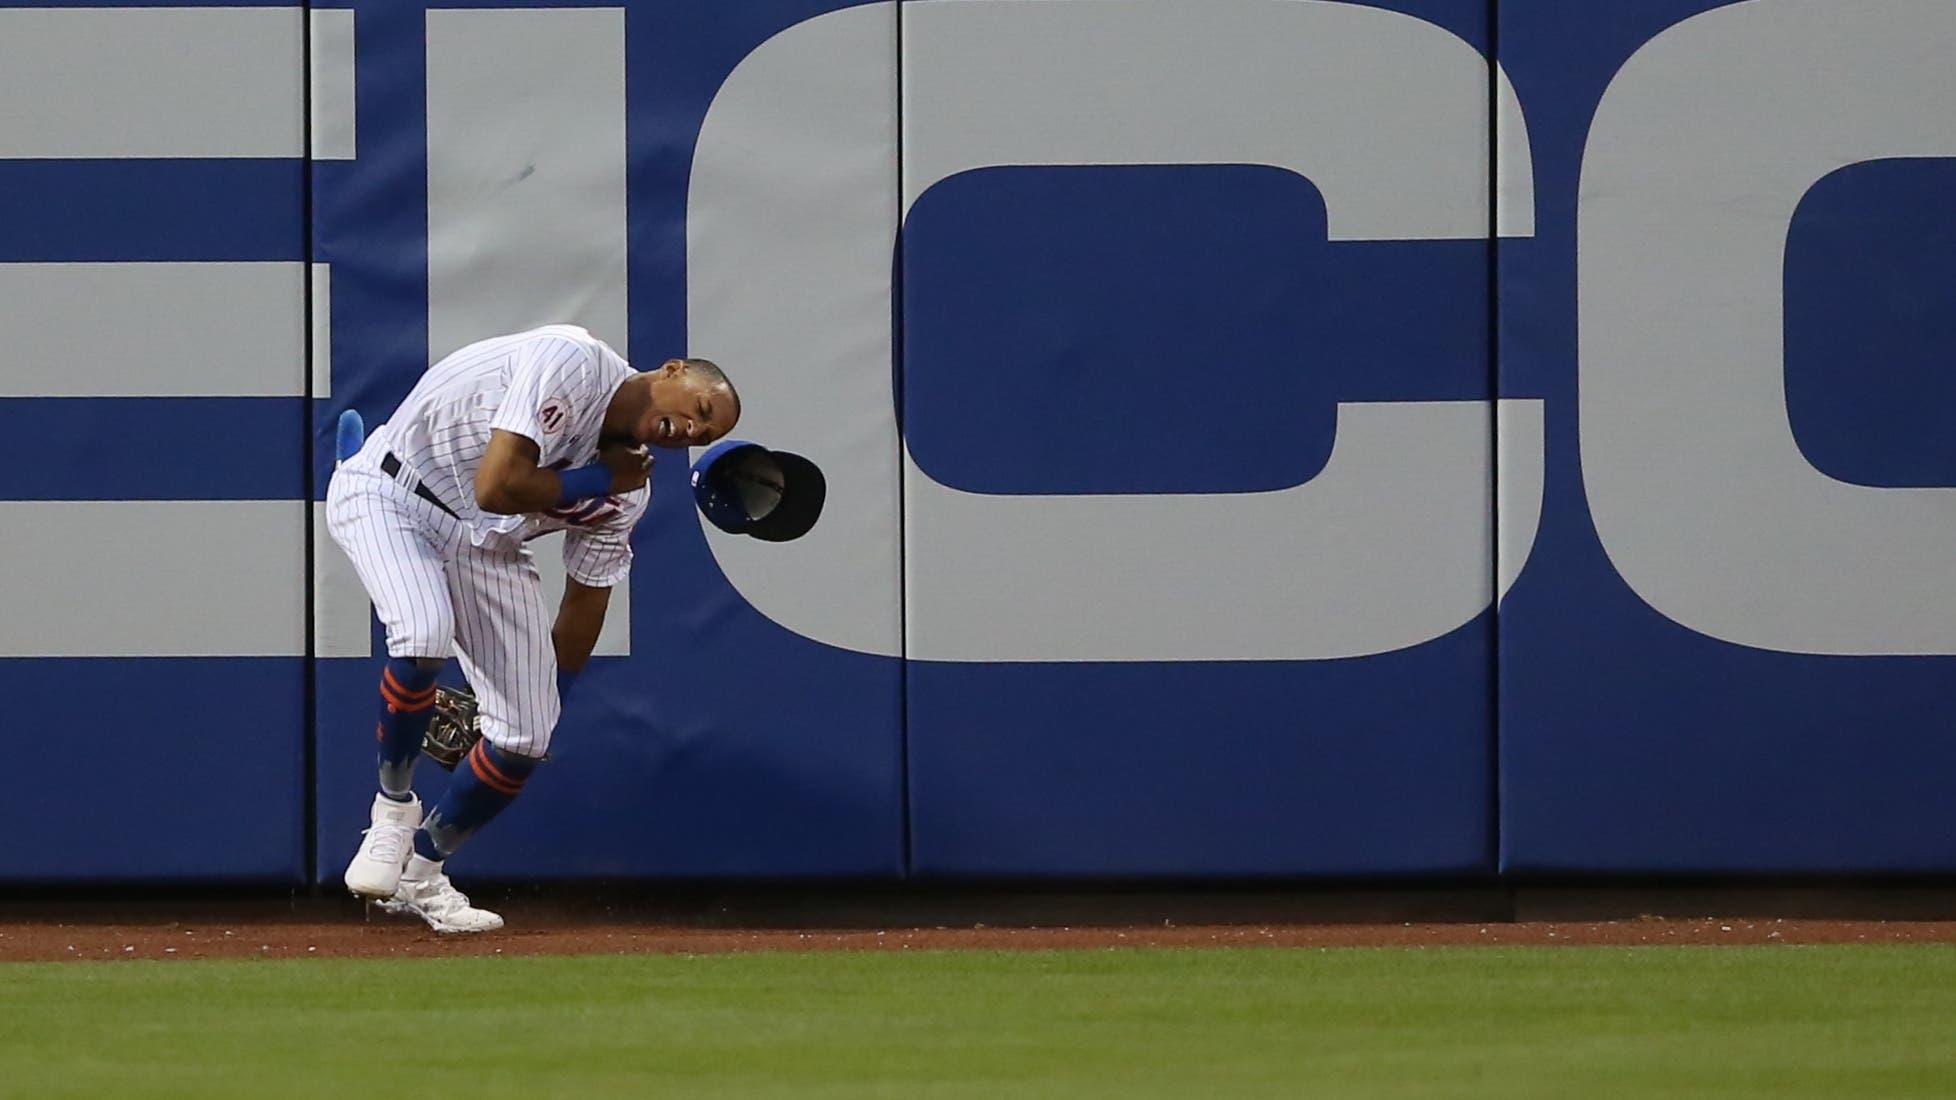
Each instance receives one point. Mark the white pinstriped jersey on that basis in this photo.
(551, 384)
(465, 585)
(597, 547)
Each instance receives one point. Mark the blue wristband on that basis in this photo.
(564, 681)
(584, 483)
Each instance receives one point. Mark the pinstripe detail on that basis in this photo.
(600, 558)
(439, 595)
(466, 586)
(503, 632)
(597, 540)
(443, 425)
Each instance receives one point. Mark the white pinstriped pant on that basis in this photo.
(439, 595)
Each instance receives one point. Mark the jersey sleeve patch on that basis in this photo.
(554, 416)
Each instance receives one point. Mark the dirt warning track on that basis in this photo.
(334, 928)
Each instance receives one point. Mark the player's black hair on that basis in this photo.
(709, 370)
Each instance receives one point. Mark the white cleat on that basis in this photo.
(376, 868)
(426, 893)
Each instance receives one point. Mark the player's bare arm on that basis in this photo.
(510, 482)
(579, 618)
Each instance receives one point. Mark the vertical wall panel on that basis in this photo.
(152, 303)
(716, 740)
(526, 173)
(330, 63)
(1198, 493)
(526, 193)
(1729, 651)
(789, 239)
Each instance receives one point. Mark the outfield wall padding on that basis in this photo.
(1265, 438)
(1729, 652)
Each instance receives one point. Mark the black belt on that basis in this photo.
(391, 466)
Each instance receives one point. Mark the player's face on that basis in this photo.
(688, 409)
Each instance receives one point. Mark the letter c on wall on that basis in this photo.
(789, 233)
(1700, 152)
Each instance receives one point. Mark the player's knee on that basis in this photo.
(518, 740)
(526, 753)
(432, 641)
(429, 664)
(512, 768)
(523, 730)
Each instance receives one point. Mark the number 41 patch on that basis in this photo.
(554, 415)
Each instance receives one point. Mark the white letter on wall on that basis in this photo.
(1700, 152)
(176, 578)
(789, 236)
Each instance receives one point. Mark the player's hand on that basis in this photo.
(630, 467)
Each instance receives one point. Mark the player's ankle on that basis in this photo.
(420, 867)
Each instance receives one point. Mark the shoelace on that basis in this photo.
(390, 841)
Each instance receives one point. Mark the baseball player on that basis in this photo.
(500, 442)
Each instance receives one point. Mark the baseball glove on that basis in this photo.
(454, 729)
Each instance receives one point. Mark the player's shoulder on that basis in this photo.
(545, 338)
(587, 348)
(575, 334)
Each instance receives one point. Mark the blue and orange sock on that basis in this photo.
(490, 780)
(407, 703)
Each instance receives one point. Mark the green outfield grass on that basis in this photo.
(1828, 1022)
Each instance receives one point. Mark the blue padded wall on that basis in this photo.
(151, 503)
(1153, 350)
(724, 744)
(1632, 741)
(1125, 331)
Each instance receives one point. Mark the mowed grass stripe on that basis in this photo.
(1521, 1022)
